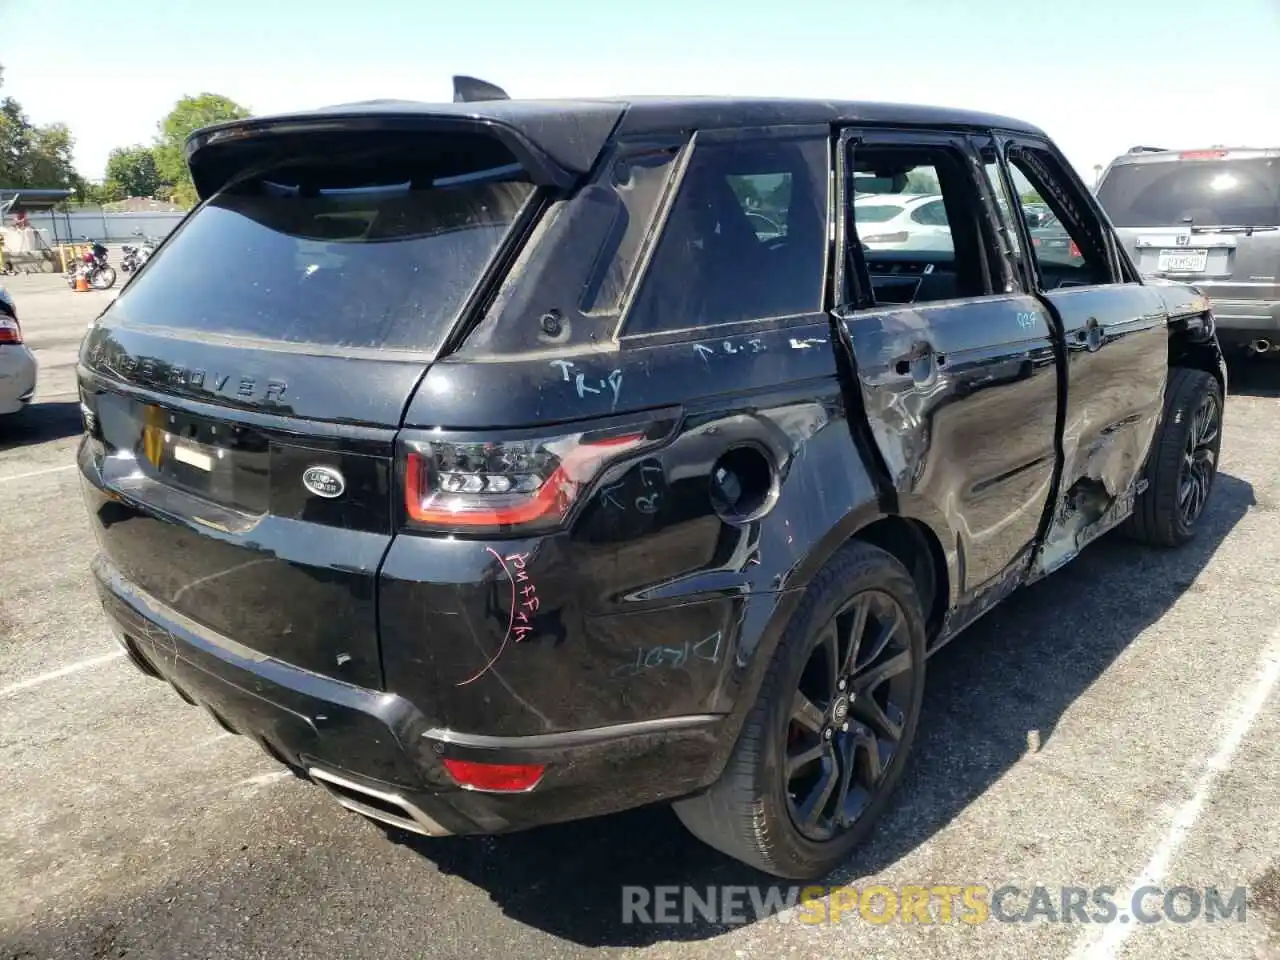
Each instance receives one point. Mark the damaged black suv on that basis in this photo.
(507, 462)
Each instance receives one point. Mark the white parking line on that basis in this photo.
(1105, 943)
(38, 473)
(59, 673)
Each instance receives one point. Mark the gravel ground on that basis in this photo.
(1111, 726)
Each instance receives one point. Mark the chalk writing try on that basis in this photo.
(584, 386)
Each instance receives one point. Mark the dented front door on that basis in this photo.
(1114, 334)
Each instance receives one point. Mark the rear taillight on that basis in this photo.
(899, 237)
(10, 331)
(1073, 250)
(499, 486)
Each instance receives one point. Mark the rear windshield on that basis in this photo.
(876, 213)
(371, 249)
(1242, 193)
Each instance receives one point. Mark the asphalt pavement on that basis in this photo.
(1116, 725)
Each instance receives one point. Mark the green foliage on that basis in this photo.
(922, 180)
(33, 156)
(745, 188)
(779, 198)
(188, 115)
(131, 172)
(1031, 197)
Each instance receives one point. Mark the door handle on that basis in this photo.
(1092, 334)
(921, 359)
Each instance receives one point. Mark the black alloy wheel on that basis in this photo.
(847, 715)
(1201, 459)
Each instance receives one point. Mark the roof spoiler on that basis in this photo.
(471, 90)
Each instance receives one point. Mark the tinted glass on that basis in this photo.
(1243, 193)
(718, 261)
(378, 251)
(765, 198)
(636, 180)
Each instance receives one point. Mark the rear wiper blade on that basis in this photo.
(1231, 228)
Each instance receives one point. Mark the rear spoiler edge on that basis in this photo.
(209, 143)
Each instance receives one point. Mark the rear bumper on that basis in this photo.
(1238, 320)
(377, 752)
(17, 378)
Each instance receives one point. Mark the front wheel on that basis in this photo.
(1183, 462)
(827, 741)
(103, 278)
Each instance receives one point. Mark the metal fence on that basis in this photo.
(104, 226)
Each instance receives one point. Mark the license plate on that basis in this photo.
(1183, 261)
(193, 458)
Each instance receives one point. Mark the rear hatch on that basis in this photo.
(1211, 217)
(244, 390)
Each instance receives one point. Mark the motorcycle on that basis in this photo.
(93, 267)
(135, 257)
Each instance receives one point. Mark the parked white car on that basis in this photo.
(17, 363)
(902, 221)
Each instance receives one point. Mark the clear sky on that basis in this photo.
(1099, 76)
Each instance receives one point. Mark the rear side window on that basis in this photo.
(745, 238)
(1218, 193)
(377, 246)
(567, 286)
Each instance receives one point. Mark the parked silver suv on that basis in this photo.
(1210, 217)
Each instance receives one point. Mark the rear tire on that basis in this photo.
(837, 712)
(1183, 462)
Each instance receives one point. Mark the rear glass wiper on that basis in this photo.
(1231, 228)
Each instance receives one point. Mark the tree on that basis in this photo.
(32, 156)
(131, 172)
(745, 188)
(922, 180)
(188, 115)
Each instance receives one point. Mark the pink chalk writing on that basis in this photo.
(524, 603)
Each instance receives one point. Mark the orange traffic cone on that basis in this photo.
(82, 283)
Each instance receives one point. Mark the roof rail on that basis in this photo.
(1143, 149)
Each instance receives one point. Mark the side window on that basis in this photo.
(916, 216)
(637, 179)
(746, 238)
(581, 259)
(1067, 241)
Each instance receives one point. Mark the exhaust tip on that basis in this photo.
(1261, 346)
(382, 806)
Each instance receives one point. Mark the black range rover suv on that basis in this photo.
(508, 462)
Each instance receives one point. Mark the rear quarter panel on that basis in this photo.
(643, 611)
